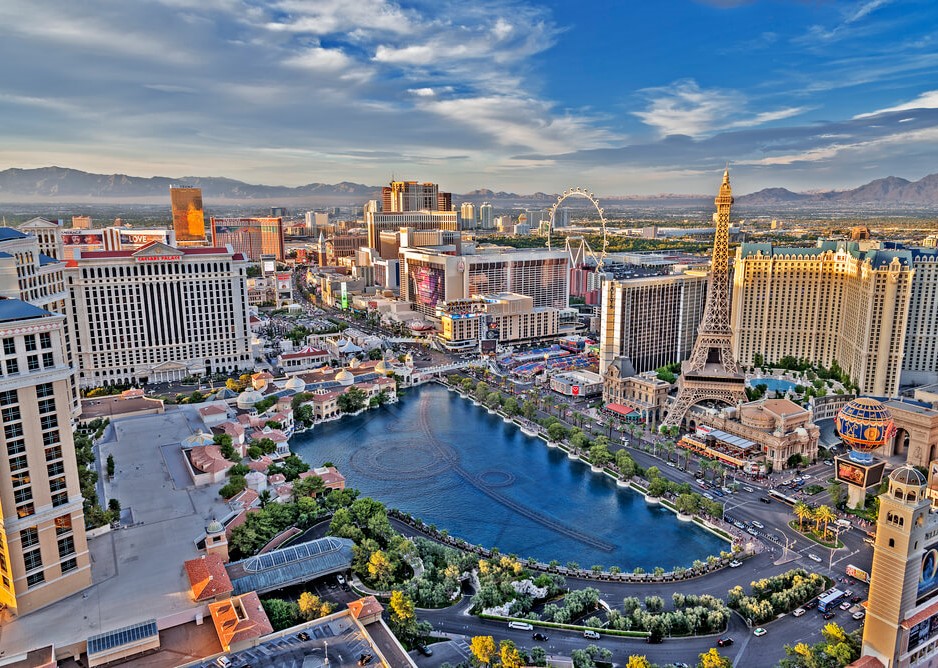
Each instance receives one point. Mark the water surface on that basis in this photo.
(439, 457)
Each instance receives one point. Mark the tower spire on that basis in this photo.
(711, 373)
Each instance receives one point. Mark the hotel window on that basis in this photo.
(69, 565)
(29, 537)
(45, 390)
(12, 366)
(35, 579)
(30, 342)
(8, 397)
(45, 340)
(66, 546)
(9, 346)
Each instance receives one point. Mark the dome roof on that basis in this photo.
(382, 367)
(345, 377)
(198, 438)
(248, 398)
(296, 384)
(906, 475)
(354, 363)
(214, 527)
(865, 424)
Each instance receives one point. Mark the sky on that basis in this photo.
(618, 96)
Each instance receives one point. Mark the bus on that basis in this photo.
(830, 600)
(784, 498)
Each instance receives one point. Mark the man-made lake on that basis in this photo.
(451, 463)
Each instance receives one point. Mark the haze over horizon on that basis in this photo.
(513, 95)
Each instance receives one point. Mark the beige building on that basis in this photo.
(504, 317)
(383, 221)
(43, 552)
(643, 392)
(651, 320)
(779, 427)
(158, 314)
(901, 627)
(920, 362)
(824, 304)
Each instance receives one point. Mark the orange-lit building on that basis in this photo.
(251, 237)
(188, 213)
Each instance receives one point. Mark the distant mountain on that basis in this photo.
(62, 183)
(888, 191)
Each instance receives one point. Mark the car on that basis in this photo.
(736, 563)
(747, 488)
(223, 662)
(708, 495)
(303, 635)
(856, 599)
(423, 649)
(739, 525)
(797, 612)
(537, 635)
(814, 557)
(759, 632)
(859, 614)
(364, 658)
(797, 478)
(591, 634)
(757, 524)
(521, 626)
(340, 579)
(718, 492)
(848, 592)
(869, 541)
(751, 531)
(724, 642)
(828, 615)
(811, 605)
(828, 462)
(845, 605)
(765, 499)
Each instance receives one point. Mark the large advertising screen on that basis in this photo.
(83, 238)
(928, 575)
(859, 475)
(427, 285)
(922, 632)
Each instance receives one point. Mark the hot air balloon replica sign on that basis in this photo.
(864, 425)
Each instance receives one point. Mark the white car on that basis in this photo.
(757, 524)
(759, 632)
(747, 488)
(845, 605)
(736, 563)
(592, 635)
(859, 614)
(814, 557)
(797, 612)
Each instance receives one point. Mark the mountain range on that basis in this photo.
(63, 184)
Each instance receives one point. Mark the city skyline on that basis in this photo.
(505, 94)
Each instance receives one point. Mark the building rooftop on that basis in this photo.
(14, 309)
(8, 233)
(208, 577)
(290, 565)
(103, 643)
(240, 618)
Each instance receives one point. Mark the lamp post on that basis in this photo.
(830, 561)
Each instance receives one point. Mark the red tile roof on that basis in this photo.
(867, 662)
(239, 618)
(920, 616)
(208, 577)
(365, 607)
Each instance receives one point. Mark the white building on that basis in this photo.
(467, 213)
(486, 216)
(158, 314)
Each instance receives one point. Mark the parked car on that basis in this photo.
(856, 599)
(521, 626)
(724, 642)
(747, 488)
(736, 563)
(797, 612)
(757, 524)
(845, 605)
(828, 615)
(340, 579)
(759, 632)
(739, 525)
(591, 634)
(858, 614)
(223, 662)
(811, 605)
(423, 649)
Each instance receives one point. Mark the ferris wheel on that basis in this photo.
(600, 257)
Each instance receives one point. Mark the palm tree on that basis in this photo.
(826, 515)
(802, 511)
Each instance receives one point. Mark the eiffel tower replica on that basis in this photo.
(711, 373)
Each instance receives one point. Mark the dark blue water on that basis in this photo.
(439, 457)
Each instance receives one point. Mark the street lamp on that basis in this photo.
(830, 561)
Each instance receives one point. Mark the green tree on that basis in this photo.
(110, 466)
(282, 614)
(600, 455)
(837, 493)
(380, 568)
(627, 466)
(510, 406)
(529, 409)
(556, 432)
(351, 401)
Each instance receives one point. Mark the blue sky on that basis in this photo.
(620, 96)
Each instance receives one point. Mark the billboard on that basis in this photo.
(492, 330)
(488, 347)
(857, 573)
(143, 237)
(83, 238)
(923, 631)
(928, 575)
(859, 475)
(344, 295)
(427, 284)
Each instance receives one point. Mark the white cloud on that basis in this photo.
(927, 100)
(325, 17)
(685, 108)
